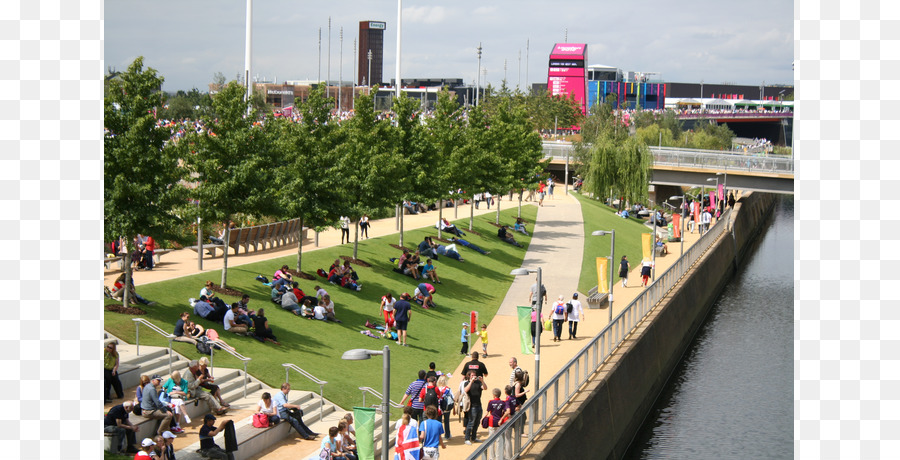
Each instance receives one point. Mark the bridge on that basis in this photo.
(693, 167)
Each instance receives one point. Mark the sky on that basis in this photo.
(717, 42)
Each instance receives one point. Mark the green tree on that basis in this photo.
(444, 135)
(518, 148)
(307, 178)
(141, 171)
(369, 164)
(233, 163)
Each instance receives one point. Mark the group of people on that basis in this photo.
(431, 402)
(342, 274)
(294, 300)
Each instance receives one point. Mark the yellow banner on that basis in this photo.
(602, 273)
(647, 245)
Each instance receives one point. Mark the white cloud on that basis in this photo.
(425, 14)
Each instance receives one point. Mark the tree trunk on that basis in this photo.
(456, 207)
(126, 295)
(520, 202)
(355, 238)
(440, 217)
(471, 214)
(225, 257)
(401, 224)
(499, 198)
(300, 247)
(199, 246)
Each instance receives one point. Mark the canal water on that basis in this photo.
(732, 394)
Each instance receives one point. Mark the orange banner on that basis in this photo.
(602, 275)
(647, 245)
(676, 225)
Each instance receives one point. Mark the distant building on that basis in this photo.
(371, 38)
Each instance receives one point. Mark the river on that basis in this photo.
(732, 394)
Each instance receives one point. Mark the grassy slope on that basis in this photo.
(598, 216)
(479, 283)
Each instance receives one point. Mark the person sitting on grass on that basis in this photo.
(277, 293)
(261, 329)
(446, 226)
(503, 234)
(410, 266)
(180, 334)
(426, 248)
(520, 226)
(230, 321)
(348, 270)
(328, 305)
(282, 277)
(470, 245)
(428, 271)
(290, 302)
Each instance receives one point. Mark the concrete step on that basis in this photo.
(252, 440)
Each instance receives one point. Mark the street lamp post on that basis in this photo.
(369, 81)
(360, 353)
(612, 251)
(538, 327)
(399, 24)
(478, 75)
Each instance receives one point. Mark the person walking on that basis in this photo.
(474, 387)
(646, 270)
(345, 228)
(559, 317)
(575, 313)
(364, 226)
(623, 271)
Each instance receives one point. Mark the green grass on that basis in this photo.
(480, 283)
(598, 216)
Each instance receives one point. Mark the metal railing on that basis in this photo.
(288, 367)
(231, 351)
(507, 441)
(379, 396)
(720, 161)
(154, 328)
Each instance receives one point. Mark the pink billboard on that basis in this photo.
(566, 72)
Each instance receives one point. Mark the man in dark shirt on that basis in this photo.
(402, 310)
(203, 309)
(116, 422)
(208, 444)
(179, 330)
(474, 388)
(475, 365)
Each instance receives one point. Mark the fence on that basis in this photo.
(154, 328)
(379, 396)
(720, 161)
(508, 442)
(288, 367)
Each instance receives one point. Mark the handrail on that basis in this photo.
(154, 328)
(379, 396)
(230, 350)
(288, 367)
(507, 440)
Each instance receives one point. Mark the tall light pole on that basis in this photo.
(360, 353)
(319, 78)
(328, 67)
(538, 326)
(369, 81)
(353, 93)
(248, 47)
(399, 27)
(341, 69)
(612, 252)
(527, 43)
(478, 75)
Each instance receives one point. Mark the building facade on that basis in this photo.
(371, 38)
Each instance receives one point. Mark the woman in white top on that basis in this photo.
(387, 310)
(364, 226)
(266, 406)
(559, 317)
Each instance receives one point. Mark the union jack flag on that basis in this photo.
(408, 446)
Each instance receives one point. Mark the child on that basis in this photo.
(484, 340)
(464, 338)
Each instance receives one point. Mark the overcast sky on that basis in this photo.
(188, 41)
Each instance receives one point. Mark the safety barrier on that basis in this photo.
(154, 328)
(288, 367)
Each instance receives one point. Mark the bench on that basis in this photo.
(596, 299)
(107, 262)
(209, 248)
(157, 254)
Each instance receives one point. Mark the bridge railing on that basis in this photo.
(511, 439)
(720, 161)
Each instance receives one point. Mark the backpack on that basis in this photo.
(569, 307)
(447, 400)
(431, 397)
(464, 402)
(203, 347)
(322, 273)
(559, 310)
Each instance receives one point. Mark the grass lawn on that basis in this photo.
(598, 216)
(480, 283)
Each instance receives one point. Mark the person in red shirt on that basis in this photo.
(541, 188)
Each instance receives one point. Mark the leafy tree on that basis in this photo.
(306, 180)
(233, 163)
(476, 161)
(412, 147)
(444, 135)
(141, 173)
(369, 164)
